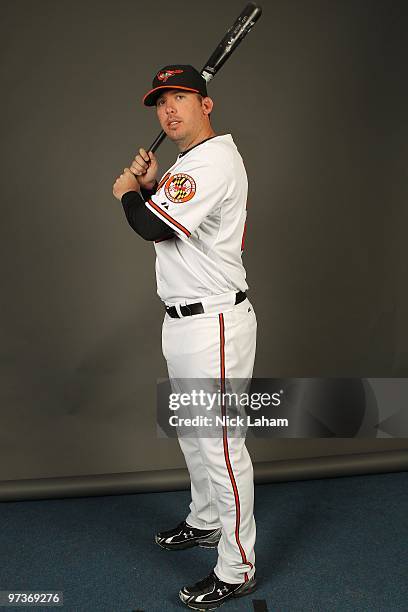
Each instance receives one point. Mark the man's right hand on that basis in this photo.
(145, 168)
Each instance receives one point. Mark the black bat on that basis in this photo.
(224, 50)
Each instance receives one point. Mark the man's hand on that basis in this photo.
(124, 183)
(145, 168)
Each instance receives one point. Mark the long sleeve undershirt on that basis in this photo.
(141, 219)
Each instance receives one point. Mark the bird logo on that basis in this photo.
(166, 74)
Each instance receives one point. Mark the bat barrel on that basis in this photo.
(231, 40)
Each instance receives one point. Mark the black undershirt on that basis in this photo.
(141, 219)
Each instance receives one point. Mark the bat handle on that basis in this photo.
(157, 142)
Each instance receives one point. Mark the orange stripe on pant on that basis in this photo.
(225, 444)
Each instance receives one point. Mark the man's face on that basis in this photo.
(182, 114)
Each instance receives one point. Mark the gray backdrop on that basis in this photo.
(315, 99)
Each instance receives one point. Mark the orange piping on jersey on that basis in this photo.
(243, 236)
(172, 221)
(164, 179)
(161, 239)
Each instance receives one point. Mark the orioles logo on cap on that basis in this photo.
(166, 74)
(180, 188)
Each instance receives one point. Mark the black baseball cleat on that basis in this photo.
(211, 592)
(184, 536)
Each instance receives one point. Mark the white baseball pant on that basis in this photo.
(218, 345)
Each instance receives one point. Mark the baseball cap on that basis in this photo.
(175, 76)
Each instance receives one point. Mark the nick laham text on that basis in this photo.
(226, 421)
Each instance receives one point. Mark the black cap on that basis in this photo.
(175, 77)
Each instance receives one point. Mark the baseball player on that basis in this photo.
(196, 215)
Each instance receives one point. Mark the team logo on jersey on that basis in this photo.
(180, 188)
(166, 74)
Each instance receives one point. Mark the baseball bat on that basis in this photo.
(237, 32)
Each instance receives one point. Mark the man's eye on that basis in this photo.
(180, 96)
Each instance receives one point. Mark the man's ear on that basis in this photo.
(208, 105)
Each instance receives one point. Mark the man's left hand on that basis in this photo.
(124, 183)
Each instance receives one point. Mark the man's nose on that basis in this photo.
(169, 107)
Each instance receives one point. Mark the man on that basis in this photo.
(196, 217)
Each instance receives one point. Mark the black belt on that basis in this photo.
(198, 308)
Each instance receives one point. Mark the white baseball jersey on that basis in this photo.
(203, 198)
